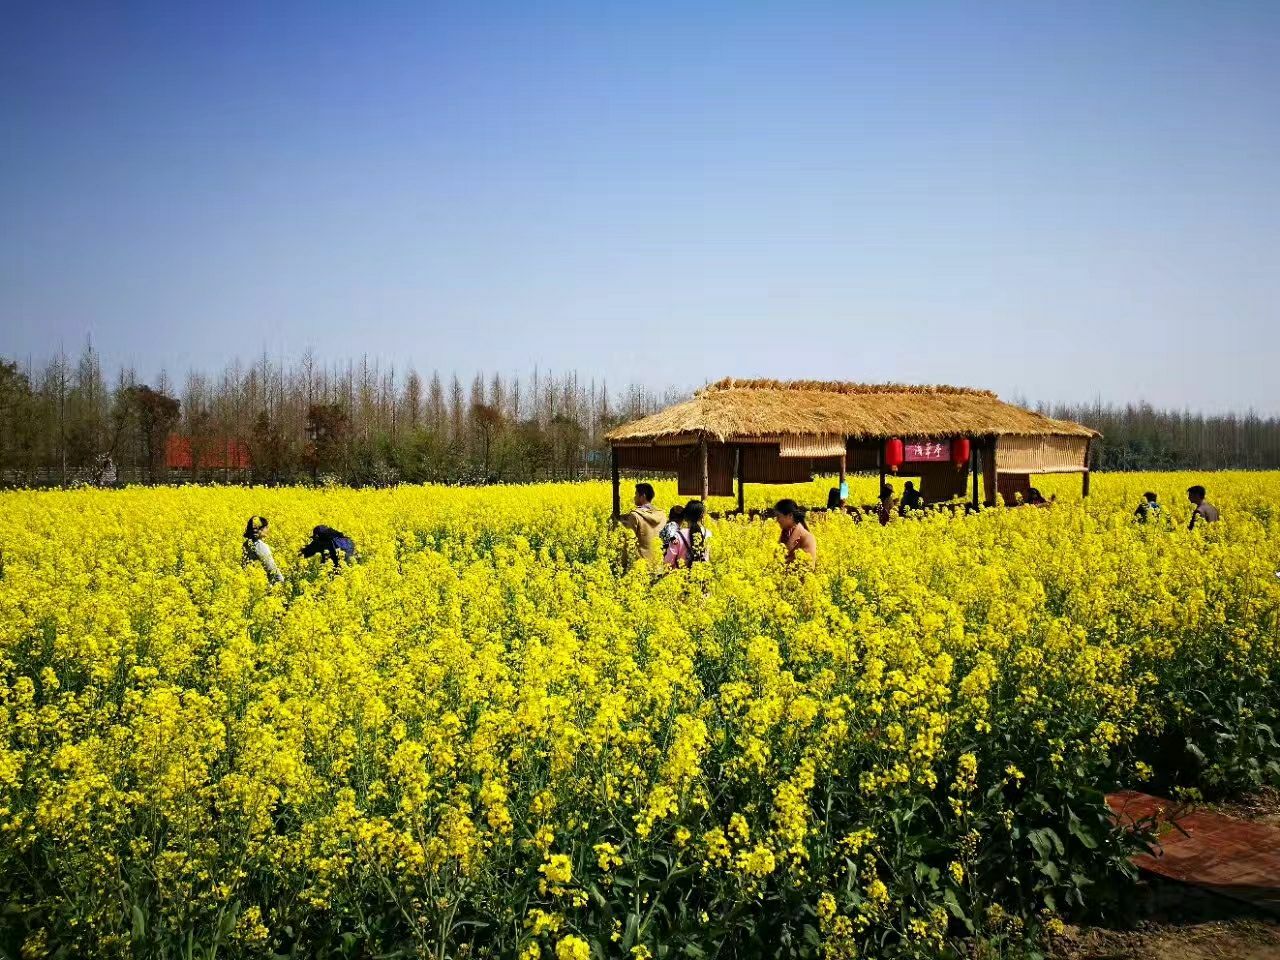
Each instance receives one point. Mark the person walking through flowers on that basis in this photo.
(1204, 512)
(646, 520)
(796, 536)
(691, 544)
(257, 550)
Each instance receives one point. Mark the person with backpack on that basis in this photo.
(1148, 509)
(256, 549)
(690, 545)
(796, 536)
(328, 542)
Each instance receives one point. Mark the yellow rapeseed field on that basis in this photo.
(488, 737)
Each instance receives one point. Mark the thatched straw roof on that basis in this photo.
(740, 410)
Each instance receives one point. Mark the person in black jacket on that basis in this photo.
(328, 542)
(911, 499)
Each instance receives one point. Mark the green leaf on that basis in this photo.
(953, 905)
(1083, 835)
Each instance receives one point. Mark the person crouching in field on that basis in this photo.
(692, 544)
(796, 536)
(645, 520)
(257, 550)
(1148, 509)
(1204, 511)
(328, 542)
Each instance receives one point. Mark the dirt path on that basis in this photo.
(1180, 922)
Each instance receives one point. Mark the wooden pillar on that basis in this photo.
(704, 457)
(741, 471)
(991, 472)
(617, 494)
(1084, 482)
(880, 464)
(973, 467)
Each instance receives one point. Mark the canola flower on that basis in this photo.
(491, 737)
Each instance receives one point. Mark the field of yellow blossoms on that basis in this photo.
(489, 737)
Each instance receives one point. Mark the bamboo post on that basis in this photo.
(741, 470)
(704, 456)
(617, 494)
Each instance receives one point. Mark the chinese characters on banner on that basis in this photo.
(927, 451)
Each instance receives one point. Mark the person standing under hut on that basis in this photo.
(796, 536)
(911, 499)
(835, 502)
(646, 520)
(1204, 512)
(328, 543)
(257, 550)
(888, 503)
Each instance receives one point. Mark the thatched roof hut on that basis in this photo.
(770, 431)
(734, 411)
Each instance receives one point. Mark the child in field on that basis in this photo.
(328, 542)
(1148, 509)
(690, 545)
(1036, 499)
(671, 529)
(257, 550)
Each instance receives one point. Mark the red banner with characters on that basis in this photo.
(927, 451)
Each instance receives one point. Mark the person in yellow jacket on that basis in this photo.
(646, 520)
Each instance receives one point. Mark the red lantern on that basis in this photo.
(893, 454)
(960, 451)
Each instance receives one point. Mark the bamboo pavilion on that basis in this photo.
(736, 432)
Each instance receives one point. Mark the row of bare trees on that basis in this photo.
(363, 423)
(1141, 437)
(359, 422)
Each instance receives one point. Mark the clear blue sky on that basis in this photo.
(1061, 200)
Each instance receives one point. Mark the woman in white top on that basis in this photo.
(256, 548)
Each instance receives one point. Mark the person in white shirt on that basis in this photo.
(256, 548)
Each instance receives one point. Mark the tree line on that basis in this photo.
(1142, 437)
(360, 423)
(366, 424)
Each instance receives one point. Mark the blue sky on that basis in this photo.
(1059, 201)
